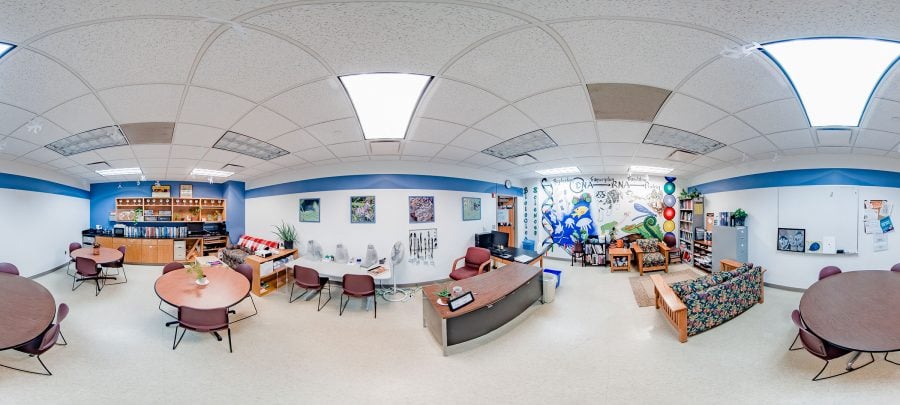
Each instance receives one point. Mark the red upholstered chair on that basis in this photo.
(43, 342)
(309, 280)
(476, 260)
(119, 265)
(9, 268)
(829, 271)
(61, 313)
(72, 247)
(825, 351)
(86, 269)
(247, 272)
(360, 286)
(166, 269)
(896, 267)
(795, 316)
(202, 320)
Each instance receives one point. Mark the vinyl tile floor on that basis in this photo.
(591, 345)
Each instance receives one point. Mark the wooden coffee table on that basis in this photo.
(616, 253)
(27, 310)
(855, 310)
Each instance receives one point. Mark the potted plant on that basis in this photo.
(287, 233)
(739, 216)
(96, 249)
(444, 294)
(195, 269)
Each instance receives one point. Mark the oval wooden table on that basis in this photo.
(856, 310)
(105, 256)
(26, 310)
(225, 289)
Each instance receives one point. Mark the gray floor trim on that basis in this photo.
(786, 288)
(49, 271)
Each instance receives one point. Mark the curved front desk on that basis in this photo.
(501, 296)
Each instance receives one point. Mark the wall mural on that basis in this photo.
(575, 207)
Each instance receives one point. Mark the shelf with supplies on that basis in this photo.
(690, 216)
(156, 209)
(703, 254)
(270, 272)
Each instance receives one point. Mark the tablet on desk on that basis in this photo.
(461, 301)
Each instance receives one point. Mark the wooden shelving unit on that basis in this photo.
(144, 209)
(690, 216)
(703, 255)
(264, 284)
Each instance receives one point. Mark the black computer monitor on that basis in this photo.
(500, 238)
(484, 240)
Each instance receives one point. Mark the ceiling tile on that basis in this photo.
(219, 155)
(415, 158)
(184, 163)
(622, 131)
(313, 103)
(736, 84)
(151, 151)
(727, 154)
(729, 131)
(616, 160)
(777, 116)
(81, 114)
(116, 152)
(122, 163)
(618, 149)
(332, 132)
(42, 155)
(347, 149)
(455, 154)
(792, 139)
(755, 146)
(426, 130)
(568, 134)
(481, 159)
(151, 162)
(46, 134)
(198, 135)
(212, 108)
(883, 115)
(835, 150)
(687, 113)
(262, 123)
(799, 151)
(869, 138)
(249, 162)
(587, 149)
(507, 123)
(867, 151)
(553, 153)
(560, 106)
(475, 140)
(288, 160)
(62, 163)
(13, 118)
(294, 141)
(143, 103)
(416, 148)
(16, 147)
(653, 151)
(187, 152)
(316, 155)
(35, 83)
(449, 100)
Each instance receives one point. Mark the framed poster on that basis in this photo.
(471, 208)
(309, 210)
(791, 240)
(362, 209)
(157, 191)
(187, 191)
(421, 209)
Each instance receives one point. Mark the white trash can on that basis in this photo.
(549, 287)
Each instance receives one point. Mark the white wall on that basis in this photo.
(38, 227)
(800, 270)
(795, 162)
(391, 225)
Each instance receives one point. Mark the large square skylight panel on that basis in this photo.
(834, 77)
(243, 144)
(385, 102)
(99, 138)
(522, 144)
(681, 140)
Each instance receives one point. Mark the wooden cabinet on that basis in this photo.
(105, 241)
(148, 251)
(132, 250)
(263, 285)
(165, 251)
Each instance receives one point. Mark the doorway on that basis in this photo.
(506, 217)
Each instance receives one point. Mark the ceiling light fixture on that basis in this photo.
(104, 137)
(5, 48)
(834, 77)
(119, 172)
(385, 102)
(210, 173)
(650, 169)
(243, 144)
(558, 170)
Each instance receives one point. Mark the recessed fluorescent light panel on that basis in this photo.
(650, 169)
(243, 144)
(834, 77)
(385, 102)
(120, 172)
(558, 170)
(210, 173)
(4, 48)
(522, 144)
(89, 140)
(681, 140)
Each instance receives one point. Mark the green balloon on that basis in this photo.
(669, 188)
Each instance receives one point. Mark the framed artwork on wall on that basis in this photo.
(791, 240)
(421, 209)
(362, 209)
(471, 208)
(187, 191)
(160, 191)
(309, 210)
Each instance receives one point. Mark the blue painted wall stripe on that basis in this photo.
(382, 181)
(16, 182)
(804, 177)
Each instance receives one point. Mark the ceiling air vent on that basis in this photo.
(385, 147)
(682, 156)
(232, 168)
(98, 165)
(834, 136)
(522, 160)
(520, 145)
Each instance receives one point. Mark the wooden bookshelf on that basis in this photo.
(154, 209)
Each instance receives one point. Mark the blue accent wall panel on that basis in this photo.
(804, 177)
(234, 210)
(16, 182)
(103, 196)
(383, 181)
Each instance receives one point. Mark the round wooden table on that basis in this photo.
(106, 255)
(179, 288)
(26, 310)
(856, 310)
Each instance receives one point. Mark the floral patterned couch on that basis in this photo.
(236, 254)
(694, 306)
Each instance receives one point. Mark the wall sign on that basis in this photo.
(187, 191)
(160, 191)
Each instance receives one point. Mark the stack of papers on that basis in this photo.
(523, 258)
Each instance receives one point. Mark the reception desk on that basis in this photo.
(501, 296)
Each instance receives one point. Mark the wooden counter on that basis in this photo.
(501, 296)
(150, 250)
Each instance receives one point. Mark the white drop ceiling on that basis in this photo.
(268, 70)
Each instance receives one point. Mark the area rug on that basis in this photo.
(642, 287)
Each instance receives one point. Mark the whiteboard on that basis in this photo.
(823, 211)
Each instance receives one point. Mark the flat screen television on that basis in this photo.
(499, 239)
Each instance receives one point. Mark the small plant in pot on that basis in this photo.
(96, 249)
(739, 216)
(195, 269)
(444, 293)
(287, 233)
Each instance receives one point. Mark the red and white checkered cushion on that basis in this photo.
(253, 244)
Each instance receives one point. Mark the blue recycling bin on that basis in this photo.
(557, 273)
(528, 244)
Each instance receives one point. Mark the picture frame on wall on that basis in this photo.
(471, 209)
(310, 210)
(421, 209)
(362, 209)
(791, 240)
(186, 191)
(157, 191)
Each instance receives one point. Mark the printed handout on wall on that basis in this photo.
(575, 207)
(877, 216)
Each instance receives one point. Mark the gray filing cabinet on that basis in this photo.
(729, 242)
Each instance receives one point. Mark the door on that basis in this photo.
(506, 217)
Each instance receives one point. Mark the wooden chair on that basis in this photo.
(651, 255)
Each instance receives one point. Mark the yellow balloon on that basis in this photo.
(668, 226)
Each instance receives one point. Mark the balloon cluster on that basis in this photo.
(669, 212)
